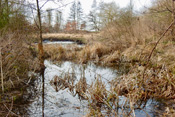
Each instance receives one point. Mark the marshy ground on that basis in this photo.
(137, 48)
(137, 87)
(140, 82)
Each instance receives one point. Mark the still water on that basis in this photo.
(63, 103)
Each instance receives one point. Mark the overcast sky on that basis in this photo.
(86, 5)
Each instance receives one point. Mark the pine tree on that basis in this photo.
(79, 14)
(76, 15)
(73, 14)
(94, 4)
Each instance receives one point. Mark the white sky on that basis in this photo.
(86, 5)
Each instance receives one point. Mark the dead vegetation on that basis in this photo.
(148, 77)
(16, 60)
(137, 87)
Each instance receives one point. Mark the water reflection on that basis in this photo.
(65, 44)
(58, 42)
(62, 103)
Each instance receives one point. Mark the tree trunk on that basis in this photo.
(40, 42)
(41, 54)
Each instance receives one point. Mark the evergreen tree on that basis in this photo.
(76, 15)
(94, 4)
(73, 12)
(72, 17)
(79, 14)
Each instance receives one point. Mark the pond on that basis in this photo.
(62, 41)
(59, 101)
(58, 42)
(62, 103)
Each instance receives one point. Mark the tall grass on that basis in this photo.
(17, 60)
(130, 40)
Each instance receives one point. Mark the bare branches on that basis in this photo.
(160, 40)
(173, 23)
(44, 4)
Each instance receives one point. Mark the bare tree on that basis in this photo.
(41, 53)
(93, 17)
(108, 12)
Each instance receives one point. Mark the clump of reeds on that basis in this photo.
(99, 98)
(61, 53)
(142, 83)
(55, 52)
(93, 52)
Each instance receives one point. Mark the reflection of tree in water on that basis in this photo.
(99, 93)
(100, 99)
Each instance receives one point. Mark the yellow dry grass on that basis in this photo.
(86, 37)
(146, 80)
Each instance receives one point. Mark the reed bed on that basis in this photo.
(16, 61)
